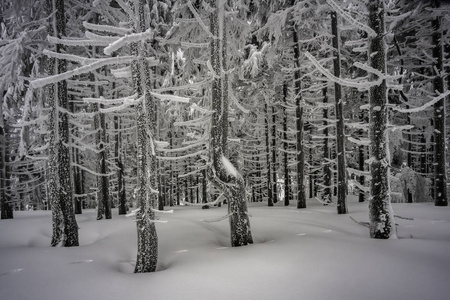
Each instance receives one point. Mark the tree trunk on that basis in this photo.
(5, 206)
(440, 171)
(269, 163)
(285, 146)
(340, 132)
(326, 152)
(301, 194)
(382, 225)
(222, 173)
(147, 239)
(121, 192)
(274, 155)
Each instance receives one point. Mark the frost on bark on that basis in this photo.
(222, 172)
(65, 228)
(382, 225)
(340, 134)
(440, 172)
(147, 195)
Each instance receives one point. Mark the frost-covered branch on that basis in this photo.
(128, 39)
(81, 70)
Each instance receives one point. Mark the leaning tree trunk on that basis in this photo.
(340, 129)
(222, 173)
(382, 225)
(147, 195)
(440, 167)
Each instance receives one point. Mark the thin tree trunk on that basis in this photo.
(301, 193)
(269, 163)
(285, 146)
(326, 152)
(274, 155)
(340, 134)
(440, 171)
(382, 225)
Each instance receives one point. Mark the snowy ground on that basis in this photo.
(298, 254)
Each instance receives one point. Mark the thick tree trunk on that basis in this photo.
(223, 173)
(147, 195)
(340, 129)
(440, 171)
(382, 225)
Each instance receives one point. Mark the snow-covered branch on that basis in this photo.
(130, 38)
(81, 70)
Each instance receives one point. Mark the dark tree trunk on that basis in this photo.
(340, 134)
(274, 155)
(285, 146)
(327, 175)
(5, 206)
(269, 163)
(382, 225)
(301, 194)
(222, 173)
(440, 171)
(121, 192)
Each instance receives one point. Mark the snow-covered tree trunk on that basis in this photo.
(382, 225)
(340, 133)
(440, 171)
(222, 172)
(147, 196)
(301, 193)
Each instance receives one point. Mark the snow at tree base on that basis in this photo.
(226, 149)
(297, 254)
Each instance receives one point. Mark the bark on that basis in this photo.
(269, 163)
(440, 171)
(301, 193)
(147, 239)
(5, 206)
(121, 192)
(231, 183)
(285, 146)
(274, 155)
(327, 175)
(340, 134)
(382, 225)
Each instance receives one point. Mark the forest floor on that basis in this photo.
(309, 254)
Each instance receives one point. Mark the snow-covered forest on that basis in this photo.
(209, 125)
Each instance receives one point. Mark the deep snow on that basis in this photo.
(298, 254)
